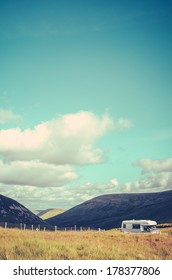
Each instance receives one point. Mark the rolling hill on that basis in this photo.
(48, 213)
(15, 213)
(107, 211)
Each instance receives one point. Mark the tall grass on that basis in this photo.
(16, 244)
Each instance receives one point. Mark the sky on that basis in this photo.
(85, 99)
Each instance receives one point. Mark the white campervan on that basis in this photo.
(139, 226)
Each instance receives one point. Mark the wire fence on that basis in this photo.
(39, 227)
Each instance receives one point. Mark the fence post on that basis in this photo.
(5, 224)
(32, 227)
(80, 228)
(65, 228)
(55, 228)
(44, 228)
(24, 226)
(75, 227)
(20, 225)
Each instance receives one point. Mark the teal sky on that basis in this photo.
(61, 58)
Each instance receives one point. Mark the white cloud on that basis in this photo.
(114, 182)
(69, 139)
(66, 196)
(156, 182)
(33, 197)
(7, 116)
(35, 174)
(36, 164)
(157, 175)
(161, 165)
(151, 183)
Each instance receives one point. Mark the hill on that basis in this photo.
(107, 211)
(48, 213)
(15, 213)
(36, 212)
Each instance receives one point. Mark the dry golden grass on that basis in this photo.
(16, 244)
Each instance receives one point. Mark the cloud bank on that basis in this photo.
(65, 196)
(69, 139)
(149, 165)
(36, 174)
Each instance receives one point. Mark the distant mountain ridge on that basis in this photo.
(107, 211)
(48, 213)
(13, 212)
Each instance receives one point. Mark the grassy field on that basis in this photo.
(17, 244)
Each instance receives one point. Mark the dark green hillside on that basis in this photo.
(108, 211)
(15, 213)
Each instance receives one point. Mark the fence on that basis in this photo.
(38, 227)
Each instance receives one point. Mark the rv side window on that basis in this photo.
(136, 226)
(124, 225)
